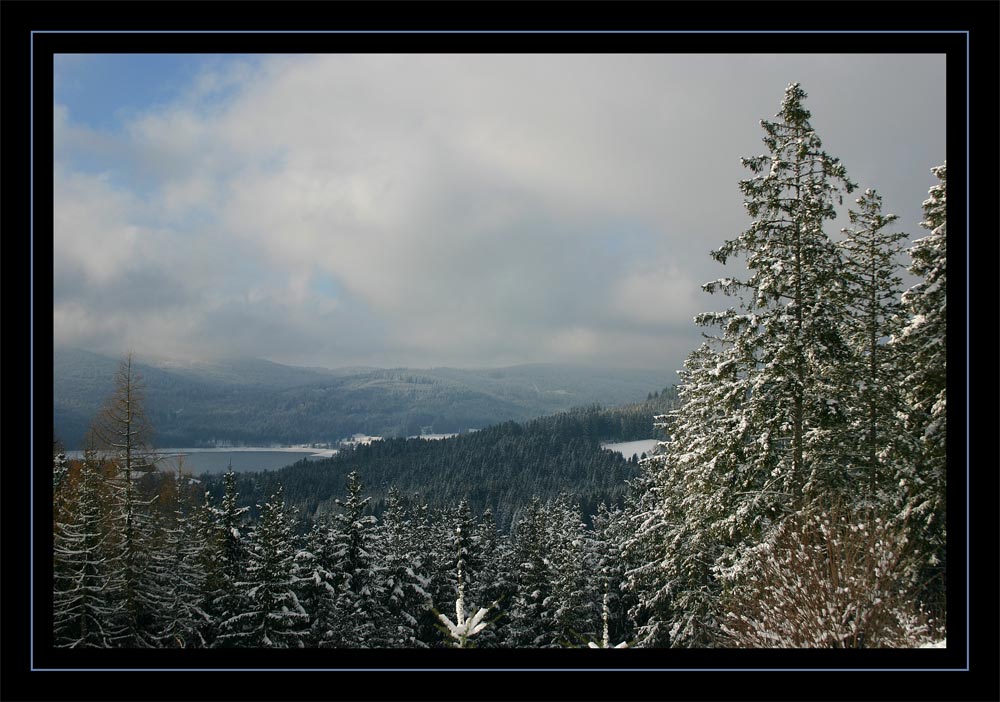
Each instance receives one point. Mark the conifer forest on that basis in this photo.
(796, 497)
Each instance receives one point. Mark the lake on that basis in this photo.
(632, 448)
(255, 459)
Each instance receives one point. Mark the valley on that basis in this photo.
(253, 402)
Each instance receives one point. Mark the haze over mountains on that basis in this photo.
(257, 402)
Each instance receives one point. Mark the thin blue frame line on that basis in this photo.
(968, 578)
(501, 670)
(490, 31)
(31, 342)
(32, 336)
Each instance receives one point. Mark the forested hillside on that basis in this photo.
(498, 468)
(254, 402)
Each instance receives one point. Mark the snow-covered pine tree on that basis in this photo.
(230, 547)
(400, 571)
(793, 320)
(607, 566)
(872, 315)
(316, 584)
(606, 635)
(575, 598)
(177, 564)
(494, 586)
(464, 553)
(683, 514)
(359, 605)
(529, 618)
(431, 541)
(555, 597)
(788, 336)
(273, 616)
(756, 436)
(462, 630)
(82, 609)
(923, 343)
(208, 561)
(645, 557)
(467, 563)
(122, 431)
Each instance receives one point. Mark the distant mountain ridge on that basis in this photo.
(259, 402)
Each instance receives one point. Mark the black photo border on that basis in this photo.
(965, 31)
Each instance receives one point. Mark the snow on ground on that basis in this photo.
(631, 448)
(943, 643)
(328, 453)
(360, 440)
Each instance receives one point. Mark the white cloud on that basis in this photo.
(93, 230)
(661, 295)
(468, 209)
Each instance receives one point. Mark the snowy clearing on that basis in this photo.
(631, 448)
(943, 643)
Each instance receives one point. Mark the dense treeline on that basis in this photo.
(798, 501)
(501, 467)
(213, 575)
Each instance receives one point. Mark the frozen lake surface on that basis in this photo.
(632, 448)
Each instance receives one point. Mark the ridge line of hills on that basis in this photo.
(259, 402)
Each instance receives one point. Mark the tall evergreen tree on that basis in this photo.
(359, 606)
(230, 547)
(685, 517)
(646, 557)
(872, 316)
(465, 586)
(209, 564)
(177, 564)
(792, 320)
(464, 552)
(83, 612)
(495, 584)
(316, 583)
(554, 603)
(575, 613)
(529, 617)
(273, 616)
(432, 545)
(400, 569)
(123, 432)
(923, 343)
(757, 434)
(607, 565)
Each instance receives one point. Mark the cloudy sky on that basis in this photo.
(427, 210)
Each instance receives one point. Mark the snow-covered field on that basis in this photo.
(632, 448)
